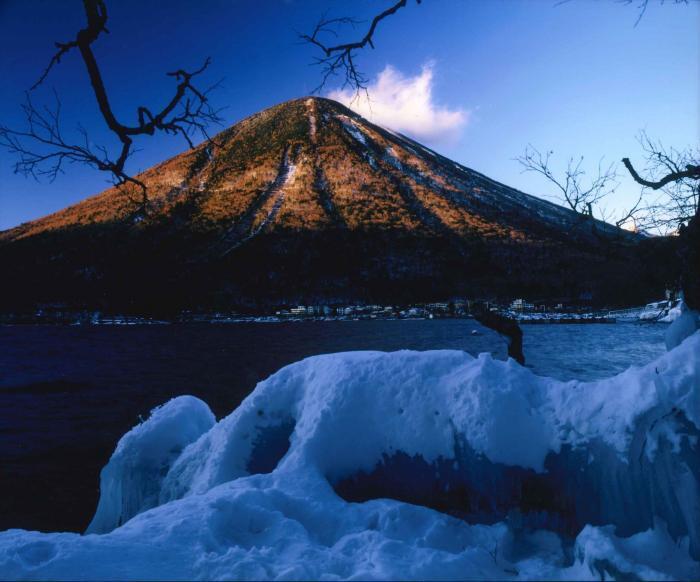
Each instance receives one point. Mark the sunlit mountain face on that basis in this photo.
(307, 201)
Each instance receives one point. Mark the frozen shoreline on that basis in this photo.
(255, 495)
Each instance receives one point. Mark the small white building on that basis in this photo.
(521, 305)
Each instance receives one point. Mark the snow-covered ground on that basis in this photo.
(335, 467)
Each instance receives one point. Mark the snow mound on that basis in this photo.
(411, 465)
(130, 482)
(684, 324)
(674, 312)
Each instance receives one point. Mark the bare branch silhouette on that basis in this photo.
(42, 149)
(642, 5)
(675, 175)
(571, 189)
(340, 58)
(50, 151)
(674, 165)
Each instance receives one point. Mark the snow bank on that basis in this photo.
(674, 312)
(409, 465)
(684, 324)
(131, 481)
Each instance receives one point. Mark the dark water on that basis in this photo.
(67, 394)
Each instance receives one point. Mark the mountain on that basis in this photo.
(309, 202)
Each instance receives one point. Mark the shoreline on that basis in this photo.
(125, 320)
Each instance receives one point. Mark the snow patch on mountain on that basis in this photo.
(311, 111)
(353, 129)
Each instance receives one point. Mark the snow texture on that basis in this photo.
(410, 465)
(130, 483)
(684, 323)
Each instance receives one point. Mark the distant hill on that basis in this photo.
(309, 202)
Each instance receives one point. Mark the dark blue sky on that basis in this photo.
(578, 78)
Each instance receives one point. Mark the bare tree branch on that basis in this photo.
(572, 192)
(188, 111)
(642, 6)
(632, 215)
(49, 151)
(675, 175)
(341, 57)
(691, 171)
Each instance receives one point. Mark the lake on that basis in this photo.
(67, 394)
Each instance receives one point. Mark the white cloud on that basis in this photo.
(405, 104)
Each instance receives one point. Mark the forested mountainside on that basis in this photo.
(309, 202)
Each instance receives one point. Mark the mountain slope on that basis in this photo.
(307, 201)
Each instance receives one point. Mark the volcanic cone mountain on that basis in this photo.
(309, 202)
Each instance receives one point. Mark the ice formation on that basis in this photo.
(685, 322)
(131, 481)
(410, 465)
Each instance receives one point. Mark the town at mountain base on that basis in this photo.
(309, 202)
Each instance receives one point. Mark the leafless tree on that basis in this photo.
(42, 148)
(574, 190)
(674, 175)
